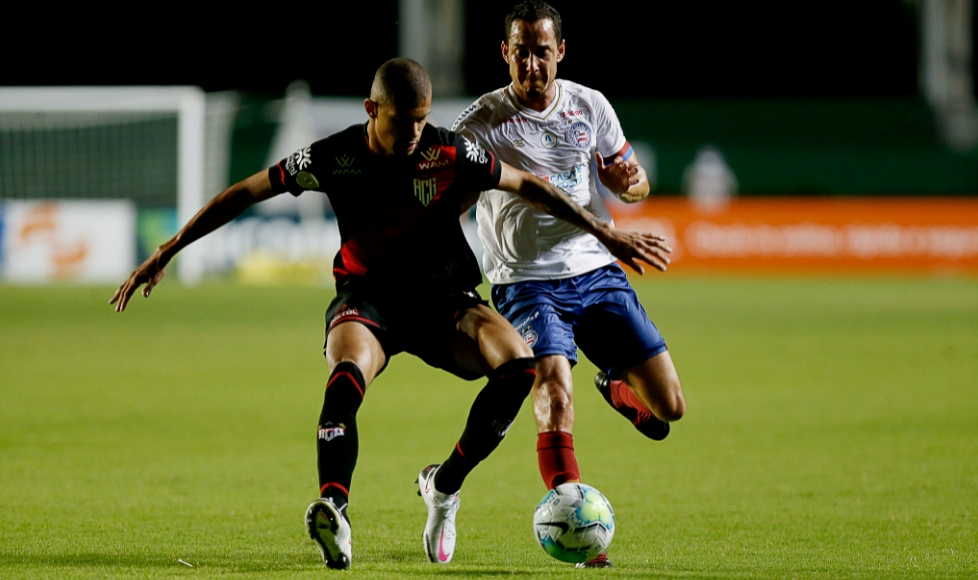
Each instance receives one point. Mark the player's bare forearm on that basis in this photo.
(549, 199)
(632, 248)
(231, 203)
(226, 206)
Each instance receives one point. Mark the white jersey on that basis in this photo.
(558, 144)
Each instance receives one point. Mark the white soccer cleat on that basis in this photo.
(331, 532)
(439, 531)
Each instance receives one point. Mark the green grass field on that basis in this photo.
(831, 432)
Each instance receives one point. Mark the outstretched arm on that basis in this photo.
(231, 203)
(631, 248)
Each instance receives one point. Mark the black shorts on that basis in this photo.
(423, 327)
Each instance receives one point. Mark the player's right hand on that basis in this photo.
(633, 248)
(150, 273)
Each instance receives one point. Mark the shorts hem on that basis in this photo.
(616, 369)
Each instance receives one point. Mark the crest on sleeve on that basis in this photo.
(473, 152)
(299, 160)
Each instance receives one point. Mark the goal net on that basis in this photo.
(143, 144)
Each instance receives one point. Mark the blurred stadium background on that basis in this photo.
(815, 166)
(802, 138)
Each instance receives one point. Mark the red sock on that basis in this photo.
(555, 452)
(622, 396)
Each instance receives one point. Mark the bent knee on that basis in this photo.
(673, 406)
(553, 399)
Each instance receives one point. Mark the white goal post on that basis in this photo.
(35, 124)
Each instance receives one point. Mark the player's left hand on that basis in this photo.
(150, 273)
(619, 176)
(633, 248)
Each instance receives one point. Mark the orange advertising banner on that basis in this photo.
(813, 234)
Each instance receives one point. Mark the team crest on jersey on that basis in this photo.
(579, 135)
(548, 139)
(426, 190)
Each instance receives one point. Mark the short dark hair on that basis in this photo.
(400, 80)
(533, 11)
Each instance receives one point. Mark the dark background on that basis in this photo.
(650, 49)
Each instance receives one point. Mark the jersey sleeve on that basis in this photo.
(301, 171)
(611, 140)
(475, 168)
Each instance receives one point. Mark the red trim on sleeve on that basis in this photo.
(459, 447)
(623, 150)
(492, 166)
(281, 173)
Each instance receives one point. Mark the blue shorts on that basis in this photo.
(598, 311)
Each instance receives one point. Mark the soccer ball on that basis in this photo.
(574, 522)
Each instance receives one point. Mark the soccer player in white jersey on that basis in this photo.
(557, 284)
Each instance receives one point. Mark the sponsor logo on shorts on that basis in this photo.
(569, 179)
(328, 432)
(579, 135)
(343, 314)
(518, 143)
(527, 320)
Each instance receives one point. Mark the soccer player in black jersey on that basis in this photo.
(397, 186)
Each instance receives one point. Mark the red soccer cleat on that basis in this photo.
(621, 399)
(599, 561)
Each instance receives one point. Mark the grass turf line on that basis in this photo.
(830, 434)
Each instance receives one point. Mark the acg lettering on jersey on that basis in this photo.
(569, 179)
(434, 173)
(425, 190)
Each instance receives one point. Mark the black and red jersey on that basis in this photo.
(398, 216)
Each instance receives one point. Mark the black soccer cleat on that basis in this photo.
(646, 423)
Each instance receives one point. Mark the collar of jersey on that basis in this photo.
(410, 159)
(539, 115)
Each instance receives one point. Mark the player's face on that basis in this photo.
(532, 53)
(399, 126)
